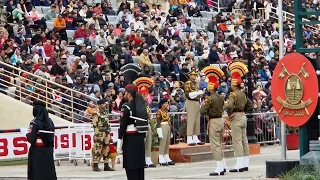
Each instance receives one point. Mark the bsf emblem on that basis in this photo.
(294, 89)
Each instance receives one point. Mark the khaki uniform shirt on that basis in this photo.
(213, 106)
(162, 116)
(238, 102)
(191, 86)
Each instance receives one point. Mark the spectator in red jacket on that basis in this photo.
(48, 48)
(81, 33)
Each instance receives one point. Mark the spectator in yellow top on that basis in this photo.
(257, 45)
(59, 25)
(144, 58)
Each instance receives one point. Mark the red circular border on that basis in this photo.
(293, 63)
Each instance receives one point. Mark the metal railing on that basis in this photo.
(267, 128)
(61, 101)
(215, 5)
(273, 14)
(255, 13)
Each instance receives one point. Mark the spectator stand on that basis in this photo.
(185, 46)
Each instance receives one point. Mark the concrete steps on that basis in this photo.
(183, 153)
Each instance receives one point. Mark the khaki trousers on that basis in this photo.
(165, 141)
(216, 128)
(239, 134)
(193, 114)
(148, 144)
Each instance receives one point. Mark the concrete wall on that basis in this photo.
(16, 114)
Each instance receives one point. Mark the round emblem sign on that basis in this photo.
(294, 89)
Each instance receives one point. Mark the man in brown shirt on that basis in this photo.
(238, 102)
(212, 107)
(193, 95)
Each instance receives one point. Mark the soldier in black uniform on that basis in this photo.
(132, 139)
(41, 137)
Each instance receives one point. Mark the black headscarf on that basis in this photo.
(41, 116)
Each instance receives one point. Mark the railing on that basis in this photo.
(61, 101)
(272, 14)
(267, 128)
(256, 14)
(288, 17)
(216, 6)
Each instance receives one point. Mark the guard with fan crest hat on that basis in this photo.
(212, 107)
(144, 84)
(238, 70)
(237, 106)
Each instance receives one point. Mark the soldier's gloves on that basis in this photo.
(24, 131)
(159, 131)
(119, 146)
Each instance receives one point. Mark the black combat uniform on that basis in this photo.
(41, 137)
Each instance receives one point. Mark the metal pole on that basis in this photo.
(250, 122)
(283, 125)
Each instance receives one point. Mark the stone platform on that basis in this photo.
(182, 153)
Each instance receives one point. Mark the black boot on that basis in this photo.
(107, 167)
(96, 167)
(217, 174)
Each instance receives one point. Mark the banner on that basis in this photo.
(67, 141)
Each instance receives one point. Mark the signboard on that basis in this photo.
(15, 145)
(294, 89)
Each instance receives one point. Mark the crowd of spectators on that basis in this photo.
(89, 43)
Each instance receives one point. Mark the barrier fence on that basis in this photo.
(74, 142)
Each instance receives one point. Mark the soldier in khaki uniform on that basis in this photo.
(101, 137)
(193, 95)
(238, 104)
(164, 133)
(212, 107)
(143, 84)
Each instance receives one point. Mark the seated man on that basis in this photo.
(59, 25)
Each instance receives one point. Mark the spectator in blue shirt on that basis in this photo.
(262, 73)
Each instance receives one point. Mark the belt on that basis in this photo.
(167, 123)
(131, 129)
(238, 110)
(39, 142)
(214, 117)
(197, 100)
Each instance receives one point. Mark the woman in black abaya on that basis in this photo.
(41, 137)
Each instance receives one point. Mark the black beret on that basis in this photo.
(162, 101)
(38, 103)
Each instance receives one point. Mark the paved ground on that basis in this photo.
(187, 171)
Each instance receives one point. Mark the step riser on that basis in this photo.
(209, 156)
(196, 149)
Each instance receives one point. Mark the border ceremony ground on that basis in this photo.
(182, 171)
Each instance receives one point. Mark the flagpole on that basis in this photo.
(283, 125)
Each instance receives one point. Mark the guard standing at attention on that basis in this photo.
(41, 137)
(193, 95)
(144, 83)
(102, 137)
(212, 107)
(237, 106)
(131, 134)
(164, 133)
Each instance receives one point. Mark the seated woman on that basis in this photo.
(38, 22)
(16, 13)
